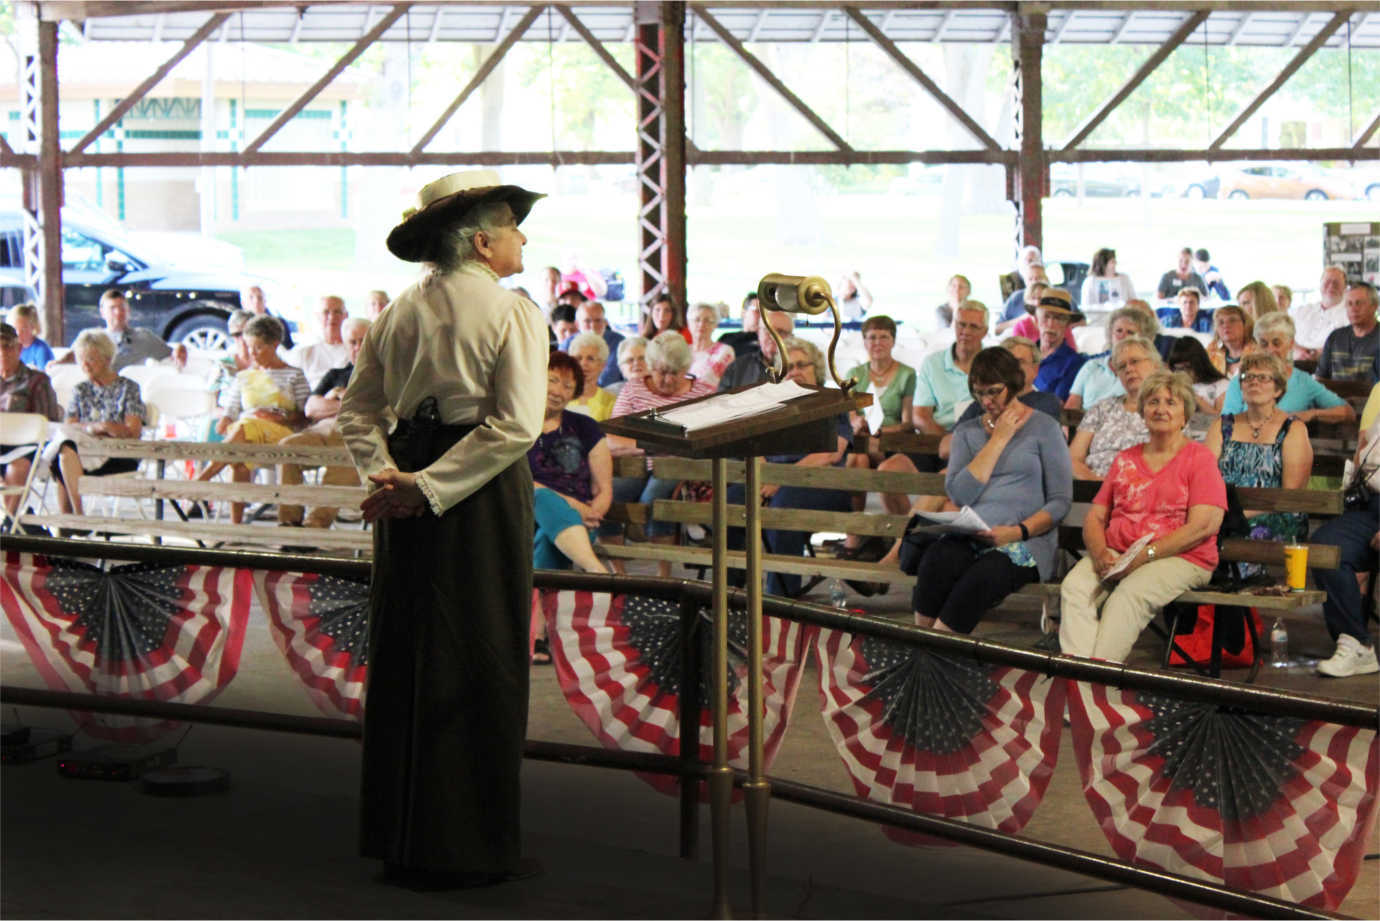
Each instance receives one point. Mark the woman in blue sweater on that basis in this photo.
(1012, 466)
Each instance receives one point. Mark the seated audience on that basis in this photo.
(1027, 327)
(1264, 447)
(562, 323)
(745, 339)
(1012, 466)
(104, 405)
(1304, 398)
(591, 354)
(23, 389)
(1315, 320)
(34, 352)
(1112, 425)
(316, 358)
(1284, 297)
(1180, 277)
(323, 406)
(852, 296)
(1027, 355)
(1213, 285)
(1209, 384)
(666, 383)
(550, 288)
(1096, 380)
(751, 366)
(1185, 314)
(255, 302)
(711, 358)
(589, 282)
(663, 315)
(1256, 299)
(572, 472)
(1233, 336)
(1059, 361)
(804, 365)
(134, 345)
(1105, 286)
(591, 318)
(1014, 309)
(266, 402)
(1356, 535)
(891, 383)
(1168, 488)
(958, 290)
(378, 302)
(632, 362)
(1352, 352)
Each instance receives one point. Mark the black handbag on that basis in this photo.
(913, 546)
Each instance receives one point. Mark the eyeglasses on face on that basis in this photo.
(987, 393)
(1253, 378)
(877, 337)
(800, 366)
(1126, 363)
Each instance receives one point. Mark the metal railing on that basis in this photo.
(692, 596)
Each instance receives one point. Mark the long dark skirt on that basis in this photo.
(446, 708)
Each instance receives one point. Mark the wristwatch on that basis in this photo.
(1149, 553)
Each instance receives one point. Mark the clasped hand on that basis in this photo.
(395, 495)
(1001, 534)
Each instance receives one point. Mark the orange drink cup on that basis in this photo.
(1296, 565)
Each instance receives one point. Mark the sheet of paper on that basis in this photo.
(873, 414)
(963, 521)
(729, 406)
(1125, 559)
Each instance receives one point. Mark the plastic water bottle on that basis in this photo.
(1279, 644)
(837, 597)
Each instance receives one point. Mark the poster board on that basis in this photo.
(1355, 246)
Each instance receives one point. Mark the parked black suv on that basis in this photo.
(181, 305)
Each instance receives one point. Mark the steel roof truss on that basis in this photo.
(1326, 32)
(1368, 132)
(336, 69)
(1180, 35)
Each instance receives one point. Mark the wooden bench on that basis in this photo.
(166, 492)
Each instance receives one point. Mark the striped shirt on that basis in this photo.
(289, 382)
(636, 396)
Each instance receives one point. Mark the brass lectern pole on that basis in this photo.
(756, 791)
(721, 776)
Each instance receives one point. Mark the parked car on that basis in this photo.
(179, 304)
(1277, 180)
(1204, 187)
(1100, 180)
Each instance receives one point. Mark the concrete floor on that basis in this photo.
(281, 843)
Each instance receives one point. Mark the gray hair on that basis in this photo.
(812, 354)
(715, 309)
(1024, 251)
(1144, 345)
(355, 323)
(1178, 384)
(1010, 343)
(973, 305)
(238, 319)
(265, 329)
(456, 245)
(670, 351)
(1146, 323)
(590, 340)
(1271, 323)
(627, 343)
(95, 340)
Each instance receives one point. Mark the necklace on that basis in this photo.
(879, 376)
(1256, 427)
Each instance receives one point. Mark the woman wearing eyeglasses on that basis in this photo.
(1264, 446)
(1115, 424)
(890, 382)
(1011, 465)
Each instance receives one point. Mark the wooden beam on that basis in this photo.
(50, 181)
(1180, 35)
(598, 47)
(1367, 133)
(5, 147)
(919, 76)
(140, 91)
(1338, 20)
(479, 77)
(729, 39)
(314, 90)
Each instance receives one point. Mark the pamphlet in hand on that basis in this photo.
(963, 521)
(1125, 559)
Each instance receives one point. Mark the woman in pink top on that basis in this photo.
(1168, 488)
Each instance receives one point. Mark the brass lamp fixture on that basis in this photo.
(799, 294)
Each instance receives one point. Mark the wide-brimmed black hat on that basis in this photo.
(443, 202)
(1056, 300)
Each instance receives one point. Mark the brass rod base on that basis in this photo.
(720, 800)
(756, 797)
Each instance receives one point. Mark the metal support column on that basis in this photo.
(659, 48)
(47, 201)
(1027, 182)
(720, 775)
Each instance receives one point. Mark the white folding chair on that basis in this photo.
(143, 375)
(27, 433)
(65, 379)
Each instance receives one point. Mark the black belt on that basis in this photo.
(417, 442)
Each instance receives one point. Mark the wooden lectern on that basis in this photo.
(803, 424)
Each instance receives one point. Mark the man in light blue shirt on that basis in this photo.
(941, 382)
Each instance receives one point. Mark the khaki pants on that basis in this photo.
(322, 434)
(1126, 611)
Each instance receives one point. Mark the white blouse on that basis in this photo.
(480, 350)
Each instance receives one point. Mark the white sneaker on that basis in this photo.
(1350, 658)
